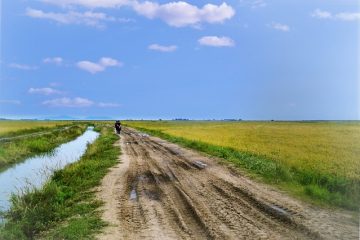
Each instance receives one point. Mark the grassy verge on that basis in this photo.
(65, 208)
(12, 127)
(315, 186)
(17, 149)
(35, 129)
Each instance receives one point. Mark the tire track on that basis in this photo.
(171, 193)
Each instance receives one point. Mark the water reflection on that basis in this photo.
(36, 170)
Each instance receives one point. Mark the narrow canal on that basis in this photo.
(35, 171)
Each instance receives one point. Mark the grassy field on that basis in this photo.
(316, 159)
(65, 208)
(10, 128)
(15, 150)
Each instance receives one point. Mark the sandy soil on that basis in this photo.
(162, 191)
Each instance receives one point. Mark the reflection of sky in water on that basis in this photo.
(36, 170)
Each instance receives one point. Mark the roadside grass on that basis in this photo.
(316, 186)
(16, 150)
(65, 208)
(9, 128)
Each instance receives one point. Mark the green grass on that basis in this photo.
(10, 128)
(65, 208)
(17, 150)
(315, 185)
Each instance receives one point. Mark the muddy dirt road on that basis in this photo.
(162, 191)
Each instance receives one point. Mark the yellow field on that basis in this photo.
(325, 147)
(11, 126)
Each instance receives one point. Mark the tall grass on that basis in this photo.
(319, 186)
(65, 208)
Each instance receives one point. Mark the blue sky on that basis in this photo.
(249, 59)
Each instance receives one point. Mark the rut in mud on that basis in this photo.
(163, 191)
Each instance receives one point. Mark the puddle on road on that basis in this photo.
(280, 211)
(133, 195)
(200, 164)
(35, 171)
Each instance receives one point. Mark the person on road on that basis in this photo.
(118, 127)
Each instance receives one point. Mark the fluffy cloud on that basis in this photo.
(22, 66)
(109, 62)
(181, 14)
(100, 66)
(342, 16)
(161, 48)
(108, 105)
(90, 66)
(280, 27)
(177, 14)
(44, 91)
(55, 60)
(88, 18)
(346, 16)
(69, 102)
(215, 41)
(321, 14)
(89, 3)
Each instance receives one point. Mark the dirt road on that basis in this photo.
(162, 191)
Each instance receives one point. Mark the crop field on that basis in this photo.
(327, 147)
(315, 150)
(7, 127)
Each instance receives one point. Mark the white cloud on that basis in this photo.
(90, 66)
(253, 3)
(108, 105)
(109, 62)
(215, 41)
(347, 16)
(89, 18)
(89, 3)
(161, 48)
(342, 16)
(13, 102)
(69, 102)
(125, 20)
(321, 14)
(177, 14)
(280, 27)
(22, 66)
(258, 4)
(181, 14)
(44, 91)
(55, 60)
(100, 66)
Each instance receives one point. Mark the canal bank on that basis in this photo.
(65, 207)
(35, 171)
(14, 150)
